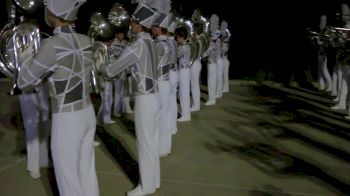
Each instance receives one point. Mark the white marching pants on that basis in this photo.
(344, 86)
(146, 113)
(184, 93)
(73, 152)
(118, 96)
(126, 108)
(195, 88)
(173, 81)
(226, 84)
(211, 83)
(37, 125)
(336, 79)
(220, 77)
(164, 131)
(106, 101)
(324, 78)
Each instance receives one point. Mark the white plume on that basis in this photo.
(162, 6)
(214, 23)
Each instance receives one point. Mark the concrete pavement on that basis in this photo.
(245, 145)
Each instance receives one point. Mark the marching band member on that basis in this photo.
(106, 102)
(173, 78)
(225, 36)
(341, 72)
(212, 53)
(121, 85)
(164, 55)
(126, 95)
(118, 87)
(105, 93)
(141, 59)
(195, 73)
(35, 111)
(114, 49)
(67, 56)
(324, 78)
(36, 119)
(183, 55)
(219, 64)
(126, 98)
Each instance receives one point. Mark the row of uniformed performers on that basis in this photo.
(189, 82)
(335, 38)
(153, 70)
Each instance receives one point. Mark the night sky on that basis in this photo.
(265, 34)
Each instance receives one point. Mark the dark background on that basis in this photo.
(268, 39)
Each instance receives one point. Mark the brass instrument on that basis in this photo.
(102, 28)
(118, 17)
(15, 40)
(6, 63)
(202, 30)
(227, 35)
(99, 26)
(191, 39)
(324, 39)
(29, 6)
(340, 36)
(342, 42)
(100, 58)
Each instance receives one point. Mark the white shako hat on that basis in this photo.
(65, 9)
(144, 14)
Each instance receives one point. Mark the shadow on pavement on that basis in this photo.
(260, 147)
(116, 149)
